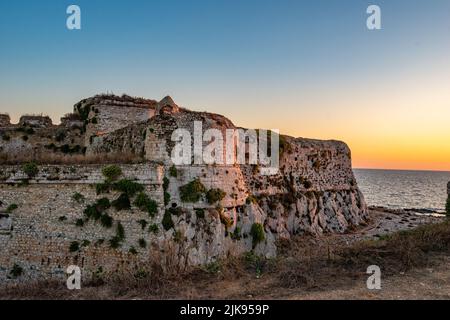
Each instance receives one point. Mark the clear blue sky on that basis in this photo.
(302, 66)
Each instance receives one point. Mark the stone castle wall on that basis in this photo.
(37, 235)
(314, 192)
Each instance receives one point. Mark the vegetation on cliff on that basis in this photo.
(192, 192)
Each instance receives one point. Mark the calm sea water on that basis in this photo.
(404, 189)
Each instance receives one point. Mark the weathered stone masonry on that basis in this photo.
(315, 192)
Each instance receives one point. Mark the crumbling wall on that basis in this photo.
(5, 120)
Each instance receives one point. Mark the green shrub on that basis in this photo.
(236, 235)
(154, 228)
(16, 271)
(11, 208)
(133, 250)
(74, 246)
(85, 243)
(173, 172)
(215, 195)
(106, 220)
(31, 169)
(120, 231)
(122, 202)
(251, 199)
(178, 236)
(78, 197)
(200, 213)
(128, 187)
(91, 212)
(112, 173)
(167, 198)
(192, 192)
(143, 223)
(166, 183)
(144, 203)
(62, 218)
(167, 221)
(257, 233)
(114, 242)
(177, 211)
(79, 223)
(142, 243)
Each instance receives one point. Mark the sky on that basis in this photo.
(309, 68)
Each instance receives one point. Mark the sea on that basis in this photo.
(397, 189)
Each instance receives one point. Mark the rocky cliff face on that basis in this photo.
(204, 212)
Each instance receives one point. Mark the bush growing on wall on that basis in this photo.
(30, 169)
(192, 191)
(257, 233)
(112, 173)
(215, 195)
